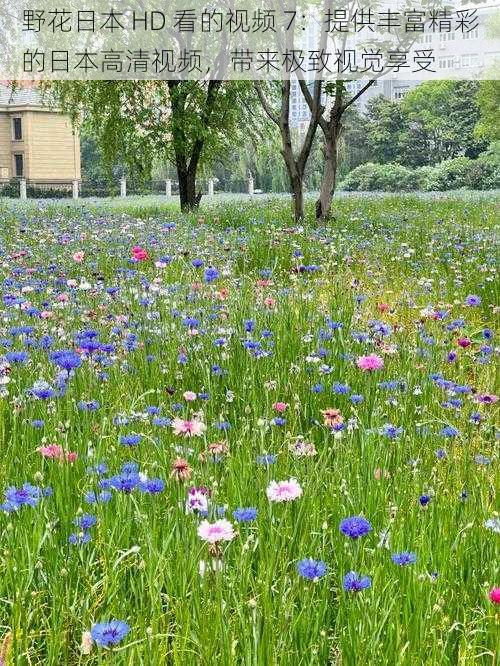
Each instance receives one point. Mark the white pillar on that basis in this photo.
(168, 187)
(22, 189)
(123, 187)
(210, 187)
(75, 189)
(250, 184)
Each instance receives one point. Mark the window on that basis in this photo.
(447, 37)
(399, 93)
(425, 39)
(470, 61)
(446, 63)
(472, 34)
(17, 129)
(18, 161)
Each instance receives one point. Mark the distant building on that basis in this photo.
(36, 142)
(457, 55)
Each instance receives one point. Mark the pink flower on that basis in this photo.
(283, 491)
(332, 417)
(51, 451)
(139, 253)
(495, 595)
(280, 407)
(79, 256)
(370, 362)
(486, 398)
(221, 530)
(56, 452)
(464, 342)
(189, 396)
(189, 427)
(269, 302)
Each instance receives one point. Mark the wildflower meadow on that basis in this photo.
(228, 438)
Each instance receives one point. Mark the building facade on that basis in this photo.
(37, 143)
(457, 55)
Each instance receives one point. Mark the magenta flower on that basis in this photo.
(370, 362)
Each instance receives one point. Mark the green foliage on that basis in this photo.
(457, 173)
(134, 122)
(434, 122)
(488, 101)
(378, 177)
(143, 564)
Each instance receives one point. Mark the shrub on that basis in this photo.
(460, 172)
(385, 177)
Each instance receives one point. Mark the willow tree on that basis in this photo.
(187, 123)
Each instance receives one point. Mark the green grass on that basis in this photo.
(416, 254)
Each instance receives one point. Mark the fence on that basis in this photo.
(37, 189)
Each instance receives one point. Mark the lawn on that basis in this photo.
(246, 441)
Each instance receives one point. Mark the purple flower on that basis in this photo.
(109, 633)
(311, 569)
(404, 558)
(355, 527)
(353, 582)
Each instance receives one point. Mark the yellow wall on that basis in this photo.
(51, 150)
(5, 140)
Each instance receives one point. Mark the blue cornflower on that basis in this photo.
(311, 569)
(267, 459)
(88, 405)
(152, 486)
(79, 539)
(25, 495)
(42, 390)
(278, 421)
(245, 515)
(391, 431)
(17, 357)
(355, 527)
(424, 500)
(161, 421)
(404, 558)
(341, 389)
(356, 399)
(472, 300)
(38, 423)
(211, 274)
(479, 459)
(126, 482)
(95, 498)
(441, 454)
(449, 431)
(353, 582)
(66, 359)
(130, 440)
(85, 522)
(109, 633)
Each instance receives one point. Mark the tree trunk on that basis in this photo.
(328, 183)
(187, 189)
(298, 198)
